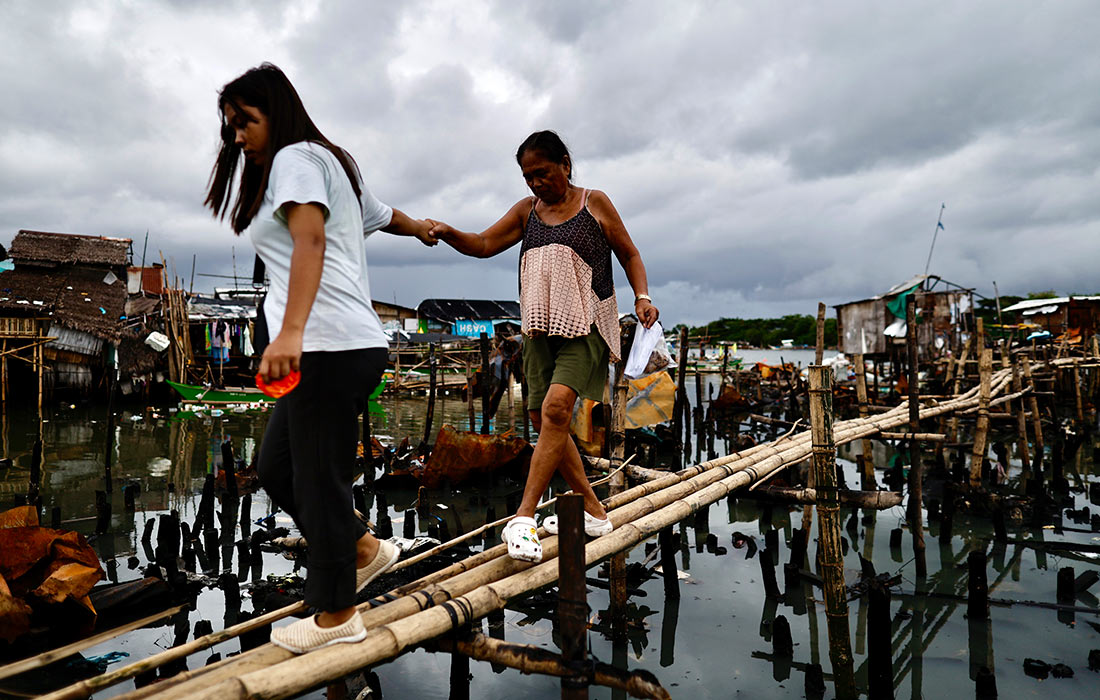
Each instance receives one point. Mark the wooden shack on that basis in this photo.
(876, 326)
(1072, 319)
(62, 309)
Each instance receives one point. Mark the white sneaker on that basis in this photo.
(306, 635)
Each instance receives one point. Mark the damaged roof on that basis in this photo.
(75, 297)
(49, 249)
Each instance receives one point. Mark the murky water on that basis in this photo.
(715, 642)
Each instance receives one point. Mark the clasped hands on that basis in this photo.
(430, 231)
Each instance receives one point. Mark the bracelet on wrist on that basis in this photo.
(640, 297)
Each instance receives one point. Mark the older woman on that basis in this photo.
(570, 316)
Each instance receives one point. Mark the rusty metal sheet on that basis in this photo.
(459, 456)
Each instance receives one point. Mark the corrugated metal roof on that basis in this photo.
(451, 310)
(1036, 303)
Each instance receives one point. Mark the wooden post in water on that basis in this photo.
(1033, 408)
(681, 396)
(1021, 418)
(880, 662)
(484, 345)
(916, 464)
(572, 605)
(828, 529)
(865, 445)
(430, 416)
(618, 483)
(1077, 392)
(470, 396)
(526, 409)
(811, 474)
(985, 371)
(819, 347)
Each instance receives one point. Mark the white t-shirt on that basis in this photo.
(342, 317)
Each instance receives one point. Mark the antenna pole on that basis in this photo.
(935, 232)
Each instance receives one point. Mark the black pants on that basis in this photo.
(307, 461)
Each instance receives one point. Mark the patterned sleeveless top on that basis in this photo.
(565, 279)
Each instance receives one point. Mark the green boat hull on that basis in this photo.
(191, 392)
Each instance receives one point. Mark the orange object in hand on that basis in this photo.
(279, 387)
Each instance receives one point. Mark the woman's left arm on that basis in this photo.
(627, 253)
(401, 224)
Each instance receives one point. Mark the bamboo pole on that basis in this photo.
(865, 445)
(1021, 418)
(48, 657)
(914, 437)
(877, 500)
(985, 367)
(1077, 392)
(828, 529)
(529, 659)
(953, 429)
(1033, 408)
(916, 463)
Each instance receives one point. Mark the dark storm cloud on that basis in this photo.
(763, 155)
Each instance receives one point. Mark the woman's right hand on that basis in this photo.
(281, 357)
(439, 230)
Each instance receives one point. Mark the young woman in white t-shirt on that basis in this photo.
(302, 202)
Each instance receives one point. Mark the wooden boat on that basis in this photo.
(236, 394)
(231, 394)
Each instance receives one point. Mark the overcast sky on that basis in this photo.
(764, 155)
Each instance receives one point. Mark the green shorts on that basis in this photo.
(578, 363)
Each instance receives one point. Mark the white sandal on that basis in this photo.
(521, 536)
(593, 526)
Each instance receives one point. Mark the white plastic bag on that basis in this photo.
(649, 352)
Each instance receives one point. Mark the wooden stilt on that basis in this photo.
(484, 347)
(572, 608)
(868, 462)
(1077, 392)
(828, 529)
(430, 415)
(1021, 418)
(1033, 408)
(681, 396)
(618, 484)
(916, 463)
(470, 397)
(985, 369)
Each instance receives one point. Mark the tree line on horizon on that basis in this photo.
(802, 328)
(766, 332)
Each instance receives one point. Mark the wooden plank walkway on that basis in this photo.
(485, 582)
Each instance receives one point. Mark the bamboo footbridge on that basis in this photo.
(453, 597)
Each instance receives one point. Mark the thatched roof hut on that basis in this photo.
(42, 249)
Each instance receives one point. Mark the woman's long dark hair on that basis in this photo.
(269, 90)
